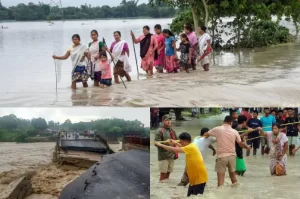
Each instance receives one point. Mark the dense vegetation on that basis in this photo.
(14, 129)
(251, 20)
(126, 9)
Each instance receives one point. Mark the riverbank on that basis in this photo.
(257, 168)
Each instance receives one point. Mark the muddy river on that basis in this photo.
(35, 160)
(256, 184)
(251, 77)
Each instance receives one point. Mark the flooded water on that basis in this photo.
(256, 184)
(24, 156)
(34, 159)
(251, 77)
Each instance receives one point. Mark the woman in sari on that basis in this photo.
(204, 47)
(95, 47)
(120, 52)
(159, 63)
(171, 52)
(78, 53)
(278, 142)
(148, 47)
(188, 30)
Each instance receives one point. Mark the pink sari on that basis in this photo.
(160, 61)
(172, 64)
(148, 60)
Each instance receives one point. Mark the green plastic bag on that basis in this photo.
(240, 165)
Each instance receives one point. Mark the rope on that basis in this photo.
(166, 141)
(55, 65)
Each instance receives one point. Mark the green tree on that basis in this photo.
(39, 124)
(67, 124)
(21, 137)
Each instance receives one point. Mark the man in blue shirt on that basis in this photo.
(267, 123)
(253, 138)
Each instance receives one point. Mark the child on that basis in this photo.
(106, 77)
(298, 141)
(203, 145)
(185, 53)
(195, 166)
(171, 57)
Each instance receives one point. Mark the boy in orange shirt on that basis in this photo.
(195, 166)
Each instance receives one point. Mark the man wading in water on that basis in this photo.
(267, 123)
(226, 154)
(234, 114)
(254, 139)
(166, 158)
(195, 167)
(292, 131)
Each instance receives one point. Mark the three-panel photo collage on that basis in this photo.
(149, 99)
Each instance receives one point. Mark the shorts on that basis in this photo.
(97, 76)
(264, 141)
(254, 143)
(222, 163)
(166, 166)
(106, 82)
(292, 140)
(196, 189)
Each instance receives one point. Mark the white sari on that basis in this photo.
(203, 46)
(94, 52)
(77, 54)
(117, 53)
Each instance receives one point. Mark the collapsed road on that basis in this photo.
(123, 175)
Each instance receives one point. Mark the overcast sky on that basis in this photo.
(65, 3)
(80, 114)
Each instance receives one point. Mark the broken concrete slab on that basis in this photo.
(17, 189)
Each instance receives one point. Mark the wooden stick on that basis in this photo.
(137, 67)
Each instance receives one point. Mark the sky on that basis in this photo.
(80, 114)
(66, 3)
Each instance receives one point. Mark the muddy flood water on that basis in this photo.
(256, 183)
(34, 159)
(251, 77)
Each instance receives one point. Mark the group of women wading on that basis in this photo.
(157, 50)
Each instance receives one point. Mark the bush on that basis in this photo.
(265, 33)
(21, 138)
(178, 23)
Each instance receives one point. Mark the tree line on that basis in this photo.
(126, 9)
(14, 129)
(251, 25)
